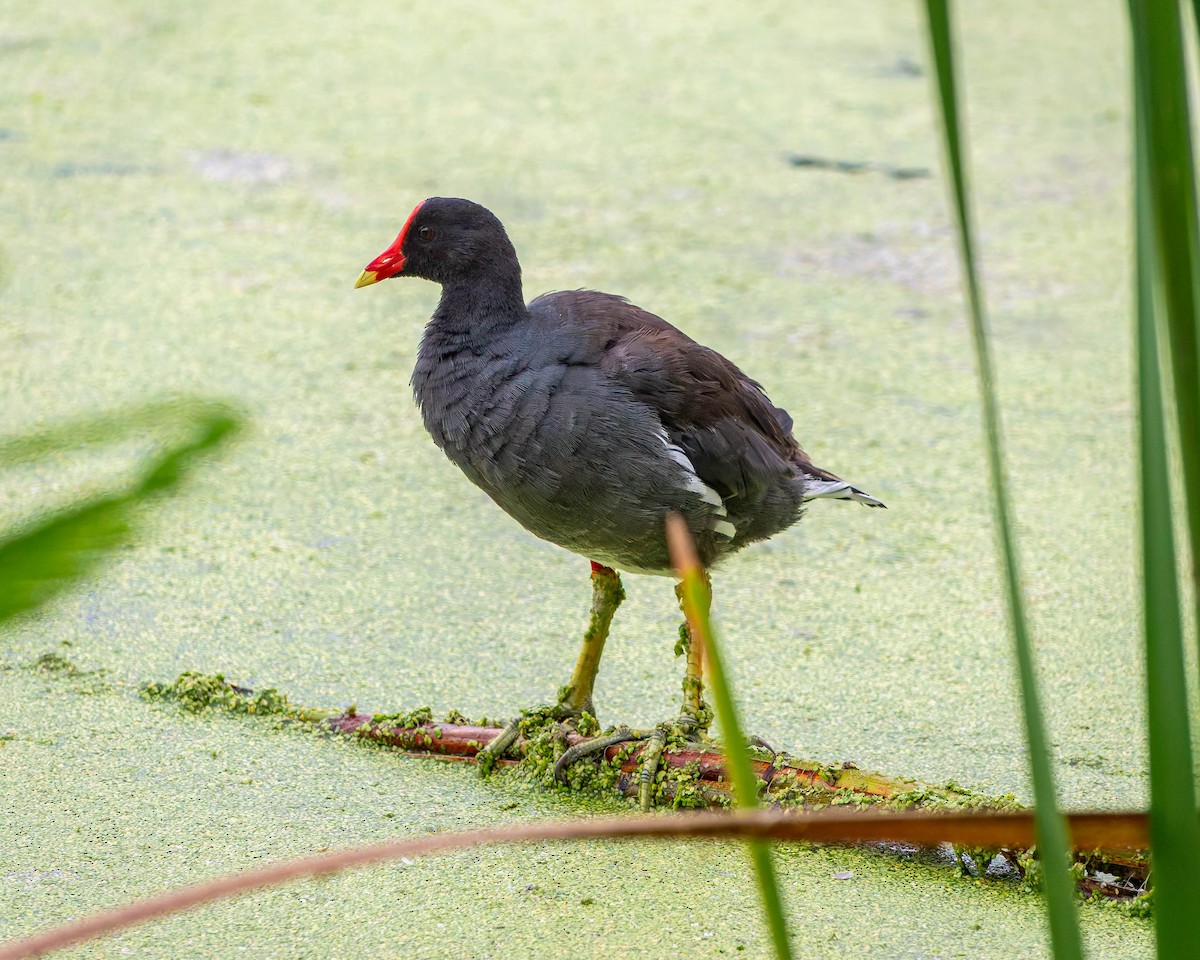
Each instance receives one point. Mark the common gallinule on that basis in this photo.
(588, 419)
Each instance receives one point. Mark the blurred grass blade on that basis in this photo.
(39, 562)
(1051, 831)
(696, 598)
(182, 416)
(1158, 48)
(1174, 836)
(47, 555)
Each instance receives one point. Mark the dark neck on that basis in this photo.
(488, 299)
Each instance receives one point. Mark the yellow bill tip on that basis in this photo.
(366, 278)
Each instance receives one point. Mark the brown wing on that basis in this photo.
(737, 440)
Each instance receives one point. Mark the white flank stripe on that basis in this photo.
(700, 488)
(707, 494)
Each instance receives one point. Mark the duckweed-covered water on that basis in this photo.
(187, 196)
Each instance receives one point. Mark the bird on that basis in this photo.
(588, 420)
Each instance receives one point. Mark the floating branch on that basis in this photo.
(787, 780)
(687, 777)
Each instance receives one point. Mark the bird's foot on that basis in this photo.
(533, 722)
(687, 732)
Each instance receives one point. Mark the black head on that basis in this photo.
(445, 239)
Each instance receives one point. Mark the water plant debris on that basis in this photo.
(688, 778)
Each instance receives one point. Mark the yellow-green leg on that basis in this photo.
(607, 593)
(574, 699)
(692, 725)
(695, 714)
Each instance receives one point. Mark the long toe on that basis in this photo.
(496, 747)
(531, 725)
(657, 780)
(587, 748)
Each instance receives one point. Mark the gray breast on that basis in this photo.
(567, 452)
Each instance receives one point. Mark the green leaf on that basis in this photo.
(1051, 830)
(1163, 282)
(50, 553)
(1161, 88)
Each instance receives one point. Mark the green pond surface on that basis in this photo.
(187, 193)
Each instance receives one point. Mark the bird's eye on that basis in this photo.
(425, 234)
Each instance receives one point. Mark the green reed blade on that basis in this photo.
(1174, 835)
(1051, 830)
(696, 597)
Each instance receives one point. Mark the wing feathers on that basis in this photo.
(738, 442)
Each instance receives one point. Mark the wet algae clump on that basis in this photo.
(544, 741)
(55, 663)
(198, 692)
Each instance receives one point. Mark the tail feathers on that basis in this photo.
(815, 487)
